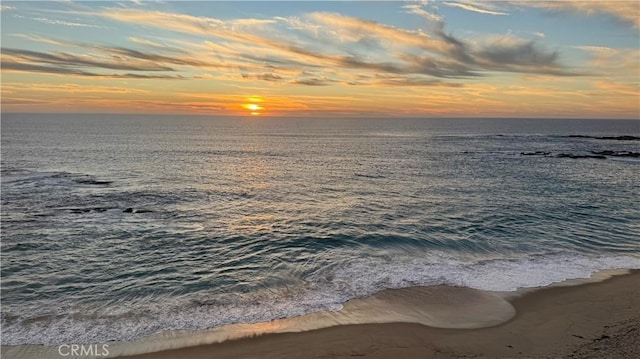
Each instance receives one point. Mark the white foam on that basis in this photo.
(502, 275)
(324, 290)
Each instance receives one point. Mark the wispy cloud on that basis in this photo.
(68, 60)
(475, 6)
(626, 11)
(617, 88)
(13, 66)
(70, 88)
(314, 81)
(614, 61)
(286, 49)
(509, 53)
(388, 49)
(22, 101)
(45, 20)
(156, 45)
(268, 76)
(93, 57)
(420, 11)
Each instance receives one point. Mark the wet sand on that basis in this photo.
(593, 320)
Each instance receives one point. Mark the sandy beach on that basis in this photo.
(593, 320)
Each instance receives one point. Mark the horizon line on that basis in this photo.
(320, 116)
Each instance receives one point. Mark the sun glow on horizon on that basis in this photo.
(253, 107)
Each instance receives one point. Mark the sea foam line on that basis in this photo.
(326, 290)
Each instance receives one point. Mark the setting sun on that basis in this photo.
(253, 107)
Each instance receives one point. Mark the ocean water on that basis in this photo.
(118, 227)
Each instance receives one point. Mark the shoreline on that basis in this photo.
(590, 320)
(413, 322)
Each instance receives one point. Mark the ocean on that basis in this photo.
(117, 227)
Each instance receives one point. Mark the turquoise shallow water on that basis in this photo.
(117, 227)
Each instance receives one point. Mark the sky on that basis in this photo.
(557, 59)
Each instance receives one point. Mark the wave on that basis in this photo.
(51, 178)
(323, 290)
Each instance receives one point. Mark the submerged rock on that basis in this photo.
(616, 153)
(91, 181)
(618, 138)
(133, 210)
(88, 209)
(537, 153)
(570, 155)
(600, 155)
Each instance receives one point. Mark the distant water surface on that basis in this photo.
(116, 227)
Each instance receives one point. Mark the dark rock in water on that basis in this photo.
(368, 176)
(80, 210)
(600, 155)
(87, 210)
(537, 153)
(569, 155)
(43, 215)
(132, 210)
(93, 182)
(617, 153)
(618, 138)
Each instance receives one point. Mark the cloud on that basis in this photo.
(157, 59)
(474, 6)
(386, 80)
(56, 22)
(8, 65)
(418, 10)
(93, 58)
(284, 49)
(67, 60)
(314, 81)
(509, 50)
(440, 55)
(234, 24)
(41, 39)
(612, 61)
(22, 101)
(389, 35)
(626, 11)
(129, 55)
(156, 45)
(618, 88)
(69, 88)
(264, 77)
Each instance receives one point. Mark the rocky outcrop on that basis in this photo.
(617, 153)
(617, 138)
(600, 155)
